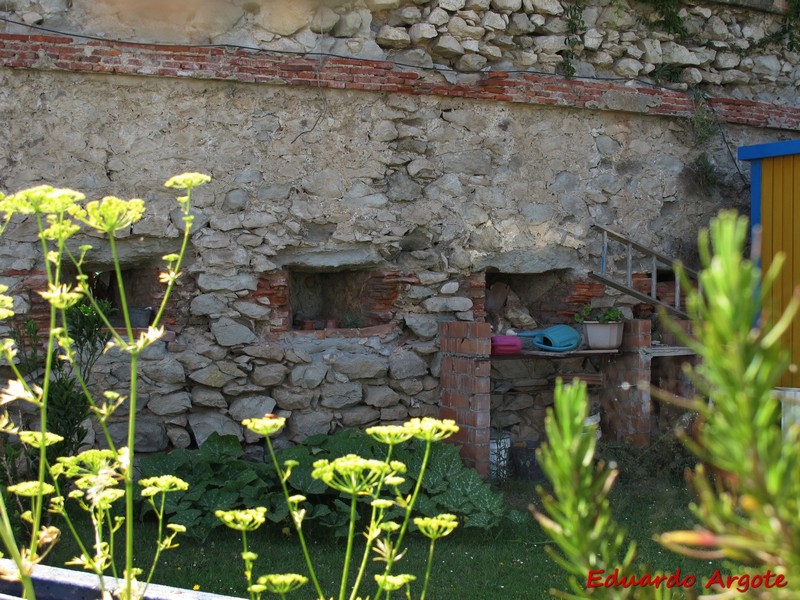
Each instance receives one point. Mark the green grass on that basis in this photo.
(508, 562)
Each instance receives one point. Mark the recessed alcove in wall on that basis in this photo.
(545, 296)
(143, 292)
(333, 296)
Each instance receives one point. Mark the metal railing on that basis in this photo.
(654, 258)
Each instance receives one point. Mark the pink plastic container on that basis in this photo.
(506, 344)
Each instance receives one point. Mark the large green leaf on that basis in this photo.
(221, 448)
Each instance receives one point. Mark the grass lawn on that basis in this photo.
(508, 562)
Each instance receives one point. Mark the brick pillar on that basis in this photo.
(464, 385)
(626, 408)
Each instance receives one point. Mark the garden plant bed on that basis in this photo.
(509, 561)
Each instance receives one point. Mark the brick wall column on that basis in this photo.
(626, 408)
(464, 385)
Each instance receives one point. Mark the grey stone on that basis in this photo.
(606, 146)
(403, 188)
(405, 363)
(266, 351)
(691, 76)
(360, 416)
(407, 15)
(528, 261)
(447, 185)
(203, 423)
(250, 407)
(548, 7)
(269, 375)
(421, 32)
(381, 396)
(727, 60)
(393, 37)
(536, 213)
(446, 303)
(360, 366)
(324, 20)
(239, 387)
(410, 386)
(425, 327)
(459, 28)
(519, 24)
(171, 404)
(438, 17)
(673, 54)
(230, 333)
(447, 47)
(209, 282)
(379, 5)
(628, 67)
(211, 398)
(251, 310)
(767, 65)
(305, 424)
(566, 182)
(494, 21)
(208, 304)
(348, 25)
(452, 5)
(210, 376)
(470, 63)
(451, 287)
(549, 44)
(329, 257)
(341, 395)
(394, 413)
(151, 434)
(414, 57)
(273, 191)
(200, 219)
(308, 376)
(472, 162)
(508, 6)
(179, 437)
(421, 168)
(326, 183)
(651, 51)
(235, 201)
(292, 398)
(167, 370)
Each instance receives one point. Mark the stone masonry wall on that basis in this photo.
(723, 49)
(355, 166)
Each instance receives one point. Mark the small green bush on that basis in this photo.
(220, 479)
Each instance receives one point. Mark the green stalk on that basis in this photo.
(7, 535)
(160, 513)
(428, 570)
(351, 531)
(48, 368)
(129, 475)
(186, 231)
(404, 526)
(248, 566)
(297, 526)
(363, 566)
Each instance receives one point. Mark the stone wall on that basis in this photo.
(723, 48)
(421, 183)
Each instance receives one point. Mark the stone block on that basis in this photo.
(203, 423)
(341, 395)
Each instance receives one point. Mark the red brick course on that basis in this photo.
(62, 53)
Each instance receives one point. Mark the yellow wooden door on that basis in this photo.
(780, 232)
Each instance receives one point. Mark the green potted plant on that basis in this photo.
(603, 326)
